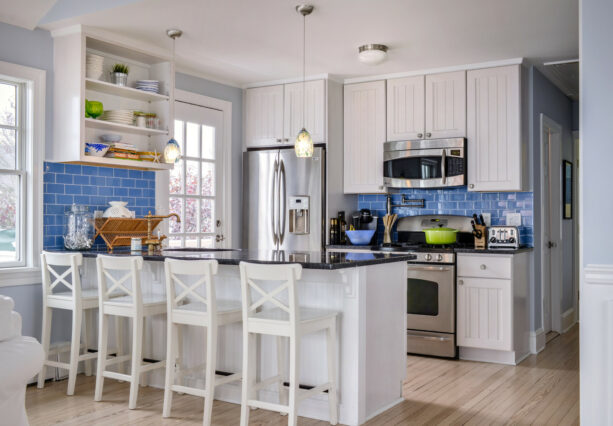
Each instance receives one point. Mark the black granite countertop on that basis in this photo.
(308, 260)
(521, 249)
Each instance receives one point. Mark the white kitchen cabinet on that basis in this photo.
(314, 110)
(405, 108)
(364, 135)
(446, 105)
(495, 151)
(493, 307)
(264, 116)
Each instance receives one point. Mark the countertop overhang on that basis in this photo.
(308, 259)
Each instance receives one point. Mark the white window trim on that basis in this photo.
(162, 179)
(34, 82)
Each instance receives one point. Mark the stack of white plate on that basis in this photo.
(94, 66)
(148, 85)
(121, 116)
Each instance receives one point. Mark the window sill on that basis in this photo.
(10, 277)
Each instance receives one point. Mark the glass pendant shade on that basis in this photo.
(304, 144)
(172, 152)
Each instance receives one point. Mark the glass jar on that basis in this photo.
(79, 229)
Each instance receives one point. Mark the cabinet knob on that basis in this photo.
(420, 135)
(286, 139)
(483, 267)
(471, 186)
(460, 282)
(279, 140)
(428, 135)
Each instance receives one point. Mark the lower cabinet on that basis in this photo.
(493, 307)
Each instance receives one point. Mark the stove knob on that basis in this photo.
(439, 257)
(511, 240)
(428, 257)
(492, 240)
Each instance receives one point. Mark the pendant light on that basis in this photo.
(172, 151)
(304, 143)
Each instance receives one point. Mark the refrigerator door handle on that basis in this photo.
(282, 212)
(273, 216)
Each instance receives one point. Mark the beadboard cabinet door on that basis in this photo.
(264, 116)
(446, 105)
(494, 129)
(314, 114)
(485, 313)
(364, 135)
(405, 108)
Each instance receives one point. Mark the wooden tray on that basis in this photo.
(119, 231)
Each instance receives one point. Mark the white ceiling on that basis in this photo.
(24, 13)
(229, 42)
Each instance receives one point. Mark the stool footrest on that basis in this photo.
(58, 364)
(268, 406)
(117, 376)
(118, 359)
(190, 391)
(152, 366)
(267, 382)
(87, 356)
(304, 394)
(222, 380)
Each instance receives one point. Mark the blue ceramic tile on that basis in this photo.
(49, 178)
(105, 171)
(121, 172)
(54, 188)
(54, 167)
(73, 169)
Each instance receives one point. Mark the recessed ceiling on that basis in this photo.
(241, 42)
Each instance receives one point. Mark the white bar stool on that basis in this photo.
(73, 298)
(285, 320)
(188, 307)
(131, 305)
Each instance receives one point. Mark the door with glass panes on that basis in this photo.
(195, 192)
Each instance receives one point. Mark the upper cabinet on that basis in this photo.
(406, 108)
(274, 114)
(426, 107)
(73, 86)
(494, 130)
(364, 135)
(446, 105)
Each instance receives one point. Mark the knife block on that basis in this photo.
(480, 243)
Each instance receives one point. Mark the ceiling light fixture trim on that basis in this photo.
(372, 54)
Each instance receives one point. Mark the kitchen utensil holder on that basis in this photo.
(480, 243)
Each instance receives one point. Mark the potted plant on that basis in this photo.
(119, 74)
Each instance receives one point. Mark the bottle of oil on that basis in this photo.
(334, 234)
(342, 227)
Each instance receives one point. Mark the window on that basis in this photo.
(22, 125)
(192, 192)
(12, 175)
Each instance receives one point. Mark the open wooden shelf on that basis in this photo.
(123, 91)
(123, 163)
(125, 128)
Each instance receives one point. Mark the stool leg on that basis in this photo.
(249, 348)
(211, 365)
(87, 333)
(119, 327)
(332, 360)
(75, 349)
(281, 370)
(45, 339)
(170, 367)
(178, 332)
(103, 340)
(294, 361)
(137, 359)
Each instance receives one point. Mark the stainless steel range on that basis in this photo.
(431, 283)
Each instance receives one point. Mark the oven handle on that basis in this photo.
(429, 268)
(430, 338)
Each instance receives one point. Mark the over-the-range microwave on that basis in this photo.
(426, 163)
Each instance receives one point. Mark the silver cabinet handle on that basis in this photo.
(460, 282)
(430, 338)
(428, 135)
(286, 139)
(471, 186)
(483, 267)
(420, 135)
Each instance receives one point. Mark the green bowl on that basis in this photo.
(441, 235)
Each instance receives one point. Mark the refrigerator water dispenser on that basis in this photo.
(299, 215)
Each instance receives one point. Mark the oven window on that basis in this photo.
(413, 168)
(422, 297)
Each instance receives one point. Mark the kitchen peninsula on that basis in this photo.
(369, 291)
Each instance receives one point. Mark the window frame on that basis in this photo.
(30, 155)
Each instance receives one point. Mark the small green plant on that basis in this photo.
(121, 68)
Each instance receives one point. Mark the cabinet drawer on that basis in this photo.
(484, 266)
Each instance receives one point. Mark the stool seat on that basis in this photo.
(222, 306)
(306, 315)
(148, 299)
(86, 294)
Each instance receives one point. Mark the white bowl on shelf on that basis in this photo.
(110, 138)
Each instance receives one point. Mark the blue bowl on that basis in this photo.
(360, 238)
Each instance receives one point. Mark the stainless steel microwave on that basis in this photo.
(427, 163)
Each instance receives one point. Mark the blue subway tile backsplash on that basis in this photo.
(65, 184)
(460, 201)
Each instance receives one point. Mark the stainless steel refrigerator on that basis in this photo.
(283, 200)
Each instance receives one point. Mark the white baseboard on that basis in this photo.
(537, 341)
(568, 320)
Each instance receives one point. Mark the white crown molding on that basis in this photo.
(187, 70)
(465, 67)
(598, 274)
(324, 76)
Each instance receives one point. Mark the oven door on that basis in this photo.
(431, 298)
(424, 168)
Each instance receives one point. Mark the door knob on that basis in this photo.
(471, 186)
(428, 135)
(483, 267)
(460, 282)
(219, 238)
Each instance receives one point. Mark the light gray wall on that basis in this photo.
(546, 98)
(235, 95)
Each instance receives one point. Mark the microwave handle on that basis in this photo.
(444, 167)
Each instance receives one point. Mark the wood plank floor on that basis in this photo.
(544, 389)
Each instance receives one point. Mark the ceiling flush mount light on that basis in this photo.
(172, 151)
(303, 146)
(372, 54)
